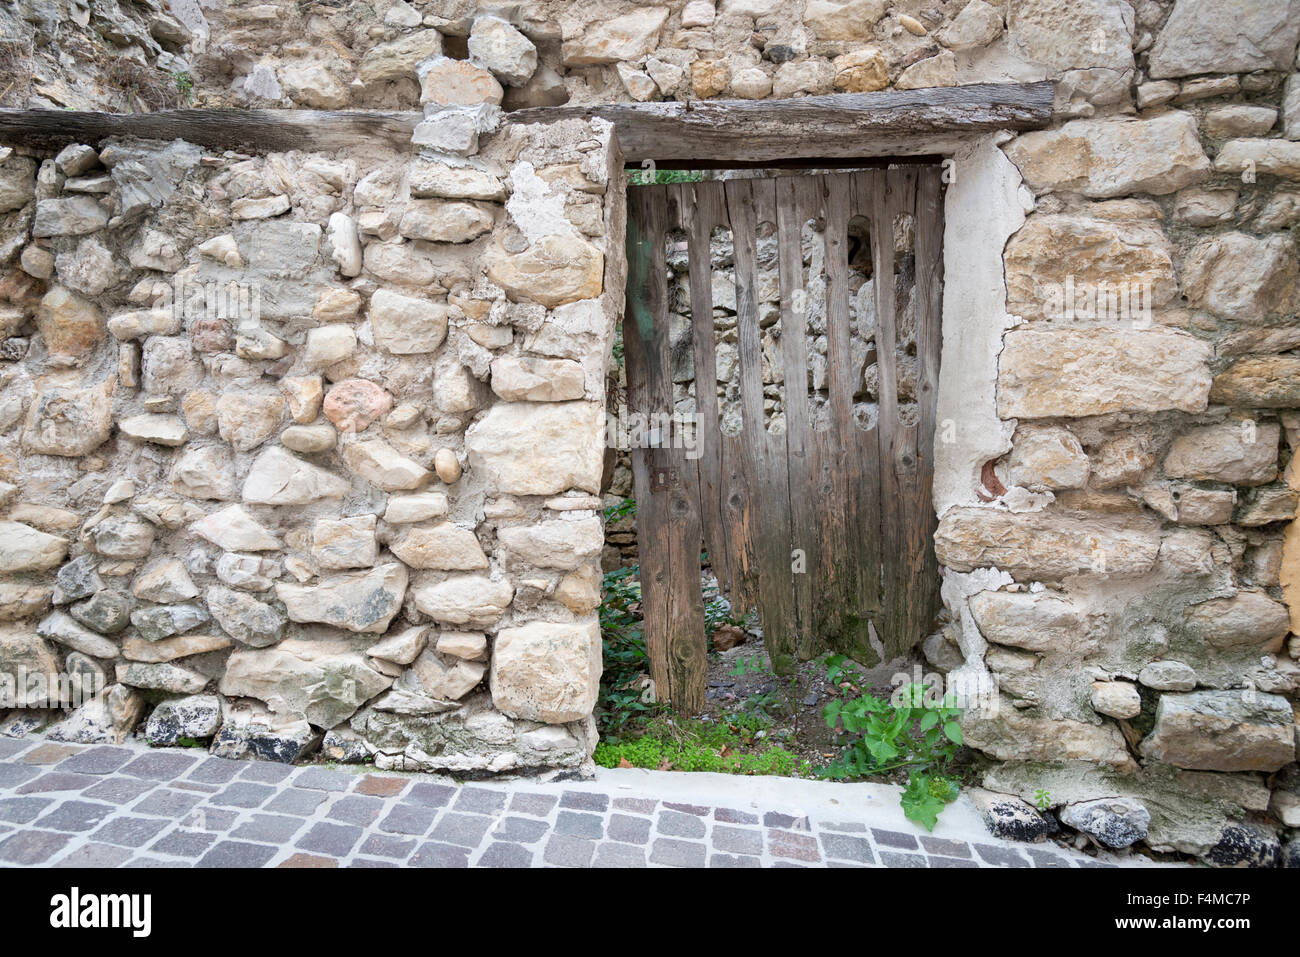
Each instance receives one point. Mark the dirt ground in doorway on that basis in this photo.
(741, 682)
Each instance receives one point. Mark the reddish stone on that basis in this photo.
(212, 335)
(355, 403)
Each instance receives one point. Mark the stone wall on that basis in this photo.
(1115, 491)
(311, 444)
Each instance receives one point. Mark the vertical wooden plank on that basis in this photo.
(702, 210)
(668, 532)
(638, 352)
(849, 530)
(794, 355)
(928, 295)
(768, 458)
(739, 492)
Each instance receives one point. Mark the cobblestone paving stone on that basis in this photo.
(130, 806)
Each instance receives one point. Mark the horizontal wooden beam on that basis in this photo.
(842, 125)
(256, 130)
(706, 133)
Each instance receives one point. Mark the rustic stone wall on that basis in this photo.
(1115, 487)
(311, 444)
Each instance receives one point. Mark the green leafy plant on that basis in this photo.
(909, 731)
(747, 666)
(184, 84)
(733, 745)
(624, 700)
(1042, 799)
(661, 177)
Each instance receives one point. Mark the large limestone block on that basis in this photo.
(277, 477)
(1226, 36)
(499, 47)
(1223, 731)
(552, 271)
(444, 547)
(1072, 34)
(383, 466)
(557, 544)
(843, 19)
(547, 671)
(405, 325)
(1275, 157)
(235, 530)
(1242, 453)
(358, 601)
(525, 448)
(530, 379)
(1045, 545)
(1247, 619)
(624, 38)
(1259, 382)
(322, 680)
(1036, 621)
(344, 542)
(397, 60)
(247, 419)
(71, 422)
(108, 718)
(1078, 372)
(1105, 247)
(1047, 458)
(1010, 734)
(434, 178)
(1113, 157)
(26, 549)
(439, 221)
(1240, 277)
(472, 600)
(21, 650)
(70, 325)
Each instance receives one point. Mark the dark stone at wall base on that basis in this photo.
(1291, 853)
(1244, 845)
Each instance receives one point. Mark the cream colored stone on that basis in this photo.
(554, 544)
(329, 344)
(309, 439)
(383, 466)
(562, 446)
(420, 507)
(405, 325)
(843, 19)
(938, 70)
(469, 645)
(24, 549)
(166, 430)
(471, 600)
(322, 680)
(1047, 458)
(1239, 276)
(1242, 453)
(579, 591)
(235, 530)
(444, 221)
(344, 542)
(1079, 372)
(247, 419)
(530, 379)
(69, 422)
(621, 38)
(279, 478)
(553, 271)
(547, 671)
(1113, 157)
(444, 547)
(1044, 545)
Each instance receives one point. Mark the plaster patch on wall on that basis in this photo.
(534, 207)
(983, 208)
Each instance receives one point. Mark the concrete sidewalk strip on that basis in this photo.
(132, 806)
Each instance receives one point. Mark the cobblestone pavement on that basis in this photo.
(128, 805)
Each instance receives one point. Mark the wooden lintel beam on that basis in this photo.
(711, 132)
(256, 130)
(891, 122)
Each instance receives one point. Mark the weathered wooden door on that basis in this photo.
(809, 481)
